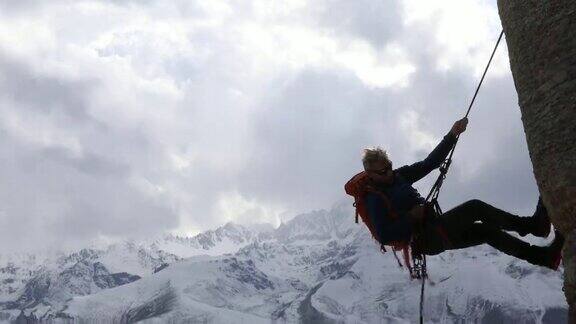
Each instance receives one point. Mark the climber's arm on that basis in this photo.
(419, 170)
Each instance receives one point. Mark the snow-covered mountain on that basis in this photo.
(225, 239)
(39, 284)
(319, 267)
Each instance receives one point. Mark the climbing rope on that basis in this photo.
(420, 260)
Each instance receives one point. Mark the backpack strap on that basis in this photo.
(406, 254)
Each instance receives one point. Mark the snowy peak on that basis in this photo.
(80, 256)
(139, 259)
(235, 233)
(228, 238)
(334, 224)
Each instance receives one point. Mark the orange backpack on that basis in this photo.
(358, 187)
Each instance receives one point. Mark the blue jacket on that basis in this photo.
(403, 197)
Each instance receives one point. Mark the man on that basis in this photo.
(396, 212)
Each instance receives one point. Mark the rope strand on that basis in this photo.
(435, 191)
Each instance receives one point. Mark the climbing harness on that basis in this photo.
(419, 259)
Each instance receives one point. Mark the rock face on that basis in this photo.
(83, 278)
(541, 38)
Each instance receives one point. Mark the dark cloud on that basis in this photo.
(45, 94)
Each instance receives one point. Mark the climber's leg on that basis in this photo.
(480, 233)
(464, 215)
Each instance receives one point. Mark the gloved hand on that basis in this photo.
(459, 126)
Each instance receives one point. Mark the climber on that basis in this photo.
(396, 212)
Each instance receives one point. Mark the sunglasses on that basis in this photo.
(383, 172)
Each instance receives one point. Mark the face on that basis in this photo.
(381, 172)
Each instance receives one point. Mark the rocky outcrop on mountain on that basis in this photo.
(35, 291)
(83, 278)
(14, 273)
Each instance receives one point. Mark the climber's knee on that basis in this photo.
(474, 203)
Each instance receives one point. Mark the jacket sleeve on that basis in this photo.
(419, 170)
(387, 229)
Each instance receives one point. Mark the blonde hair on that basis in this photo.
(373, 155)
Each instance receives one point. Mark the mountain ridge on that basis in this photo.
(317, 266)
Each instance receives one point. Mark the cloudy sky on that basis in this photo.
(133, 118)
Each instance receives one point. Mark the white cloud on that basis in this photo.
(137, 117)
(418, 138)
(234, 207)
(465, 33)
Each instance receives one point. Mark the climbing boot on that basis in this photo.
(540, 222)
(521, 225)
(548, 256)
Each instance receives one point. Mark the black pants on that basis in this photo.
(459, 228)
